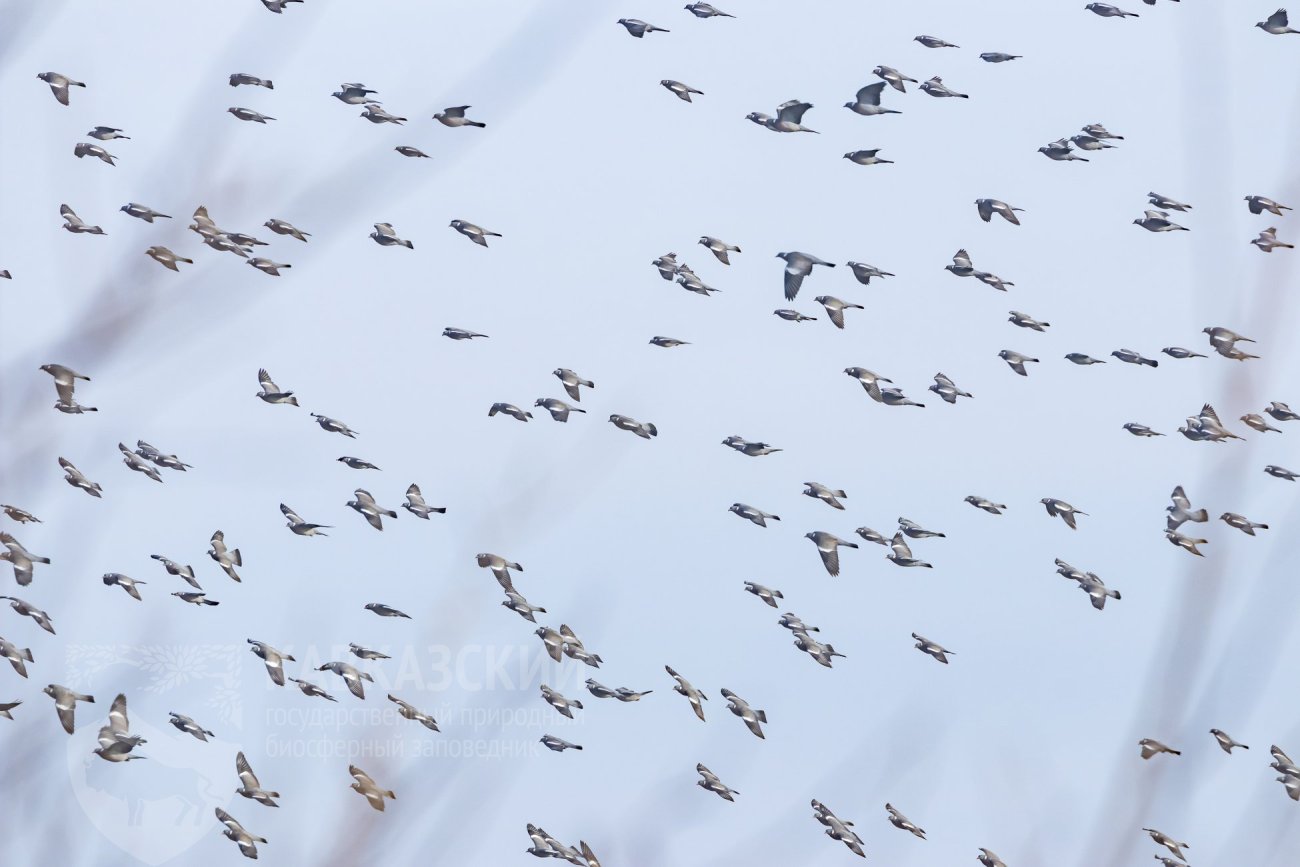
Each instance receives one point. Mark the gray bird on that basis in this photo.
(1226, 743)
(993, 280)
(691, 282)
(461, 334)
(17, 656)
(667, 265)
(26, 609)
(988, 207)
(1131, 357)
(117, 579)
(301, 527)
(557, 744)
(170, 462)
(947, 389)
(521, 606)
(1097, 591)
(351, 676)
(681, 91)
(365, 505)
(552, 641)
(823, 654)
(1281, 411)
(357, 463)
(794, 316)
(711, 783)
(1024, 320)
(409, 711)
(238, 78)
(353, 93)
(1292, 783)
(1260, 204)
(1097, 130)
(224, 557)
(706, 10)
(74, 224)
(194, 598)
(189, 726)
(455, 117)
(86, 149)
(645, 430)
(999, 57)
(930, 648)
(693, 695)
(988, 859)
(273, 658)
(1272, 469)
(934, 42)
(718, 248)
(986, 505)
(893, 77)
(385, 236)
(873, 536)
(416, 505)
(559, 702)
(867, 158)
(511, 410)
(1141, 430)
(870, 382)
(500, 567)
(1105, 10)
(935, 87)
(408, 151)
(367, 787)
(375, 113)
(867, 101)
(1180, 352)
(798, 266)
(961, 264)
(272, 393)
(1085, 142)
(767, 594)
(249, 786)
(385, 610)
(571, 382)
(137, 463)
(900, 554)
(65, 380)
(108, 133)
(789, 117)
(1063, 510)
(477, 234)
(1169, 843)
(638, 28)
(753, 719)
(1016, 361)
(1181, 511)
(19, 515)
(115, 740)
(916, 531)
(827, 495)
(745, 447)
(20, 558)
(74, 477)
(281, 227)
(828, 546)
(60, 83)
(749, 513)
(1165, 203)
(1276, 24)
(898, 820)
(333, 425)
(1158, 221)
(249, 115)
(668, 342)
(65, 703)
(835, 308)
(1267, 240)
(1257, 422)
(143, 212)
(1061, 151)
(1241, 523)
(234, 831)
(1187, 543)
(864, 273)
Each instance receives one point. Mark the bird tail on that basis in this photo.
(1262, 526)
(475, 123)
(270, 85)
(1151, 362)
(389, 514)
(1177, 753)
(26, 654)
(576, 704)
(45, 560)
(391, 794)
(577, 746)
(761, 715)
(293, 401)
(494, 234)
(1199, 517)
(654, 431)
(88, 698)
(443, 510)
(239, 560)
(408, 245)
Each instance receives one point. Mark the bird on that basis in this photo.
(366, 786)
(74, 224)
(26, 609)
(1260, 204)
(999, 57)
(273, 658)
(353, 93)
(143, 212)
(645, 430)
(1226, 743)
(1276, 24)
(798, 266)
(961, 264)
(946, 389)
(385, 236)
(1097, 130)
(988, 207)
(351, 676)
(638, 28)
(718, 248)
(898, 820)
(249, 115)
(693, 695)
(357, 463)
(1180, 352)
(1024, 320)
(311, 690)
(749, 513)
(827, 495)
(60, 83)
(1181, 511)
(1131, 357)
(115, 740)
(1167, 204)
(680, 90)
(1060, 151)
(1141, 430)
(667, 342)
(1096, 590)
(477, 234)
(558, 409)
(137, 463)
(409, 711)
(1105, 10)
(985, 505)
(375, 113)
(789, 117)
(416, 505)
(1016, 361)
(1085, 142)
(511, 410)
(900, 554)
(108, 133)
(835, 308)
(17, 656)
(333, 425)
(1257, 422)
(234, 831)
(1158, 221)
(521, 606)
(705, 10)
(249, 787)
(272, 393)
(867, 101)
(866, 157)
(1063, 510)
(301, 527)
(224, 557)
(386, 610)
(1083, 360)
(1281, 411)
(988, 859)
(193, 598)
(1187, 543)
(65, 380)
(754, 719)
(126, 582)
(828, 546)
(455, 116)
(767, 594)
(934, 42)
(267, 266)
(74, 477)
(935, 87)
(65, 703)
(563, 705)
(893, 77)
(1267, 240)
(930, 648)
(1241, 523)
(558, 744)
(151, 454)
(1169, 843)
(238, 78)
(711, 783)
(461, 334)
(189, 726)
(281, 227)
(86, 149)
(864, 272)
(365, 505)
(572, 382)
(913, 530)
(1272, 469)
(19, 515)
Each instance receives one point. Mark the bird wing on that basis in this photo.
(962, 259)
(268, 384)
(899, 545)
(1277, 19)
(1180, 499)
(117, 719)
(870, 95)
(455, 111)
(985, 209)
(792, 111)
(245, 772)
(385, 229)
(293, 516)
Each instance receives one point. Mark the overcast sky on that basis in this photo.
(1026, 743)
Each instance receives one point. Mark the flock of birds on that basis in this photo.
(116, 743)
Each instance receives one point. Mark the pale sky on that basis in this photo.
(1026, 743)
